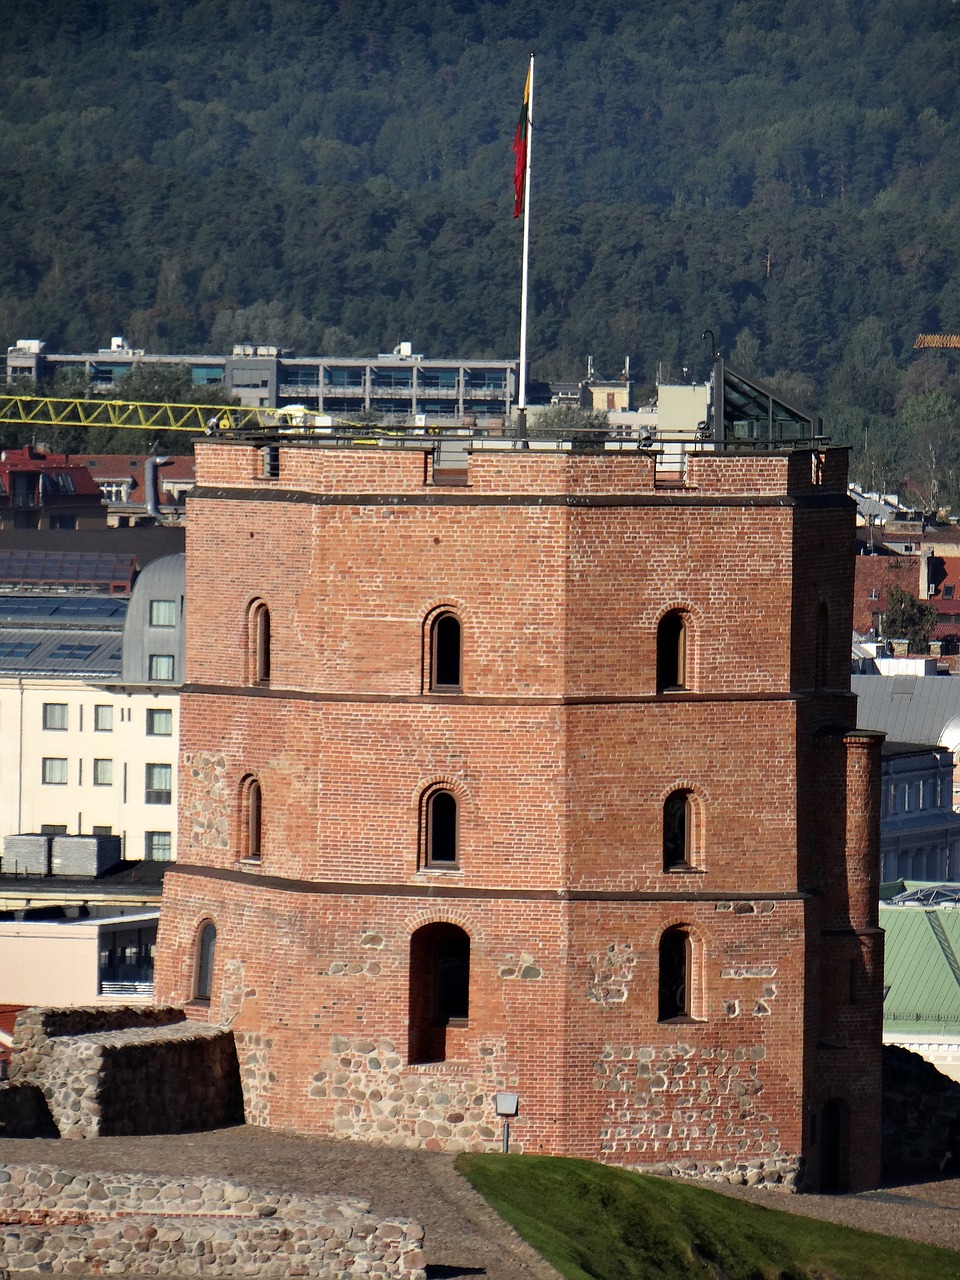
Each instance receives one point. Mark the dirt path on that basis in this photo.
(464, 1237)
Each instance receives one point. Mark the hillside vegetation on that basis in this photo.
(334, 177)
(594, 1222)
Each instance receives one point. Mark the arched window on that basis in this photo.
(439, 988)
(674, 985)
(206, 950)
(679, 830)
(672, 652)
(440, 829)
(251, 819)
(445, 652)
(260, 644)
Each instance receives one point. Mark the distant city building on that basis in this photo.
(140, 490)
(916, 707)
(89, 705)
(40, 490)
(398, 384)
(919, 830)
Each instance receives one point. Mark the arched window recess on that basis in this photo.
(445, 656)
(673, 652)
(682, 831)
(251, 820)
(258, 643)
(679, 966)
(205, 956)
(439, 989)
(440, 830)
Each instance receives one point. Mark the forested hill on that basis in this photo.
(336, 176)
(700, 102)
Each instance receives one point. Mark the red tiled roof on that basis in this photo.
(875, 574)
(117, 467)
(55, 465)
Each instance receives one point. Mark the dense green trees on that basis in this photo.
(910, 619)
(326, 176)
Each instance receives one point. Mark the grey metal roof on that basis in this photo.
(62, 611)
(96, 570)
(914, 709)
(85, 653)
(62, 635)
(163, 579)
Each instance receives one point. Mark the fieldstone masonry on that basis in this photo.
(374, 1095)
(60, 1222)
(116, 1071)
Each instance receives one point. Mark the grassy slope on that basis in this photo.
(593, 1222)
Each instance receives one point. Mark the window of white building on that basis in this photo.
(54, 771)
(159, 722)
(55, 715)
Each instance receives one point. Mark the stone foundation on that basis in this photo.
(441, 1106)
(59, 1222)
(123, 1071)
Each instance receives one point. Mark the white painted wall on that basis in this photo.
(27, 803)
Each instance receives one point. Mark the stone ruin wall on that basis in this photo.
(59, 1222)
(117, 1071)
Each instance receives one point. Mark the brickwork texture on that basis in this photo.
(715, 1011)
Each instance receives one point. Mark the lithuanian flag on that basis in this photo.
(520, 151)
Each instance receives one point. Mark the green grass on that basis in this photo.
(594, 1222)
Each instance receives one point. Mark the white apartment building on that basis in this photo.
(89, 704)
(82, 759)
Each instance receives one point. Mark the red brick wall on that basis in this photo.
(561, 754)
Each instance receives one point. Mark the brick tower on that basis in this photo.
(535, 777)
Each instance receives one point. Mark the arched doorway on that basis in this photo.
(439, 988)
(833, 1147)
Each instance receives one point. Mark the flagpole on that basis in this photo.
(525, 268)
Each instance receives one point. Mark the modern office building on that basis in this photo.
(399, 384)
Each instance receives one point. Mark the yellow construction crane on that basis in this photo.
(936, 341)
(198, 419)
(55, 411)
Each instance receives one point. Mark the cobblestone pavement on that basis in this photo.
(464, 1237)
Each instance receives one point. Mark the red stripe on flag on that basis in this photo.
(520, 152)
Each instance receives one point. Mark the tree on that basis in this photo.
(584, 429)
(909, 619)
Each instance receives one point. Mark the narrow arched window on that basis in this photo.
(674, 975)
(672, 652)
(678, 830)
(445, 652)
(441, 830)
(439, 988)
(206, 951)
(260, 644)
(251, 820)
